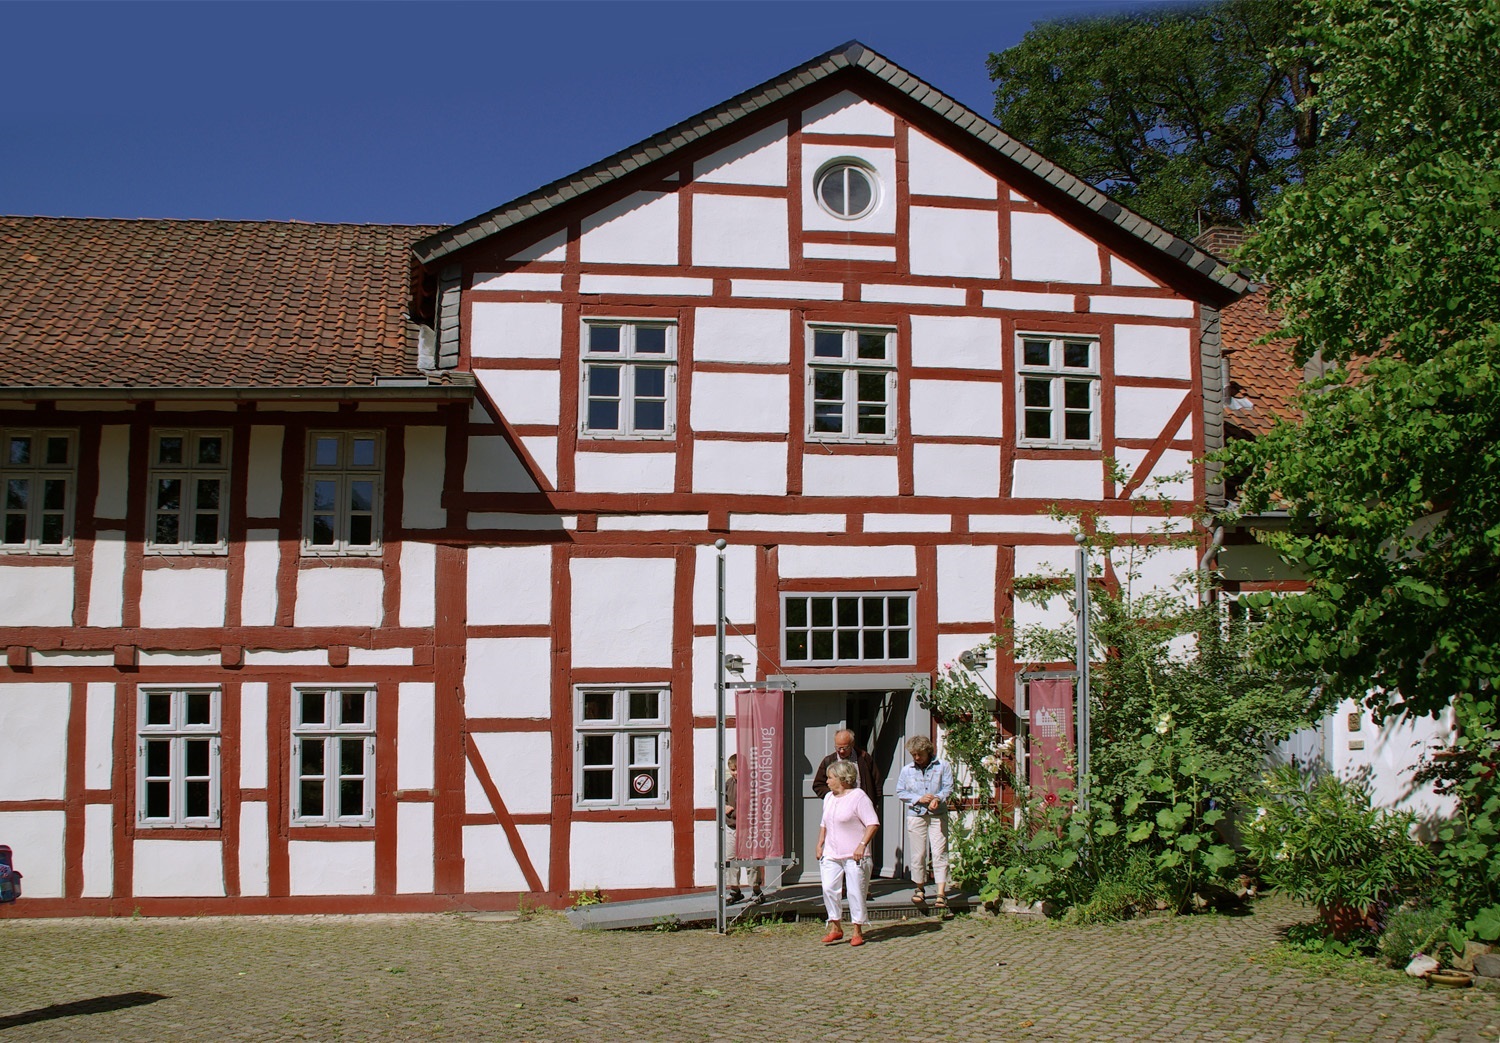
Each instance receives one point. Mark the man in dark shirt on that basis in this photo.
(844, 750)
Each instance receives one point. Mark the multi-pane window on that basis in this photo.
(177, 757)
(828, 629)
(621, 746)
(333, 756)
(189, 483)
(343, 491)
(36, 476)
(847, 190)
(629, 371)
(851, 383)
(1059, 392)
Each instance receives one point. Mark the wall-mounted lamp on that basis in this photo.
(734, 664)
(975, 658)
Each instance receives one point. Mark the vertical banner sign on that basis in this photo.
(760, 787)
(1050, 704)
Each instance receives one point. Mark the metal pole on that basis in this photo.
(720, 920)
(1081, 714)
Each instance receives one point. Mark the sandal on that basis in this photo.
(942, 901)
(919, 897)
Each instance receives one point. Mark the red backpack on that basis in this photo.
(10, 876)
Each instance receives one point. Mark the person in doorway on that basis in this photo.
(924, 786)
(849, 824)
(845, 750)
(740, 875)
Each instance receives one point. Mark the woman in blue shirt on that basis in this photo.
(924, 787)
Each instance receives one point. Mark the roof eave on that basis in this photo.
(379, 392)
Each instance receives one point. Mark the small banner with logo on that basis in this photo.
(1051, 704)
(761, 781)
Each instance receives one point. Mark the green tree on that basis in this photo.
(1180, 113)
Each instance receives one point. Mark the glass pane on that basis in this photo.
(604, 338)
(822, 644)
(326, 451)
(604, 415)
(828, 385)
(205, 529)
(1076, 354)
(312, 761)
(1038, 424)
(352, 798)
(17, 494)
(1039, 393)
(643, 749)
(872, 387)
(650, 416)
(158, 758)
(159, 708)
(211, 450)
(57, 450)
(312, 799)
(643, 784)
(352, 707)
(598, 706)
(200, 708)
(598, 785)
(1036, 353)
(604, 381)
(169, 450)
(15, 528)
(650, 382)
(364, 452)
(325, 495)
(872, 419)
(828, 418)
(19, 451)
(351, 757)
(900, 643)
(168, 494)
(872, 345)
(1076, 394)
(645, 706)
(822, 612)
(796, 612)
(362, 531)
(208, 494)
(196, 758)
(828, 344)
(159, 799)
(1076, 427)
(361, 496)
(832, 191)
(651, 340)
(314, 708)
(848, 644)
(848, 612)
(861, 191)
(900, 611)
(796, 646)
(54, 494)
(874, 612)
(322, 534)
(874, 644)
(598, 749)
(52, 529)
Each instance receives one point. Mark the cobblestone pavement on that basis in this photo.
(537, 979)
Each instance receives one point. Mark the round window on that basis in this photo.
(846, 190)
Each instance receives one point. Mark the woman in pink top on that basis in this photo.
(849, 824)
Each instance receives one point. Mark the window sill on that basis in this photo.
(362, 552)
(221, 551)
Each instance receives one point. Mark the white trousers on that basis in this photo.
(926, 833)
(853, 876)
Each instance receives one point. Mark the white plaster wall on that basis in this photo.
(98, 851)
(739, 585)
(515, 330)
(622, 611)
(956, 470)
(114, 472)
(509, 585)
(882, 160)
(847, 562)
(490, 864)
(750, 468)
(639, 229)
(1043, 249)
(523, 396)
(178, 869)
(36, 596)
(705, 854)
(705, 751)
(494, 467)
(1153, 570)
(254, 757)
(1153, 351)
(966, 584)
(1171, 477)
(1123, 274)
(936, 170)
(340, 867)
(263, 478)
(294, 657)
(34, 741)
(422, 484)
(1058, 479)
(183, 597)
(824, 475)
(380, 656)
(415, 734)
(1019, 300)
(523, 281)
(784, 289)
(847, 113)
(543, 450)
(958, 408)
(64, 658)
(620, 854)
(262, 560)
(740, 231)
(508, 677)
(906, 293)
(552, 248)
(1161, 307)
(750, 335)
(849, 252)
(757, 402)
(180, 657)
(98, 736)
(329, 597)
(520, 765)
(756, 159)
(705, 668)
(908, 523)
(1391, 753)
(414, 849)
(36, 838)
(418, 607)
(107, 583)
(958, 342)
(255, 849)
(1049, 562)
(625, 472)
(788, 523)
(1140, 412)
(947, 241)
(646, 285)
(652, 522)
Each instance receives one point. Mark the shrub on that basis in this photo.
(1413, 929)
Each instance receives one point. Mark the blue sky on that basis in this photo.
(410, 112)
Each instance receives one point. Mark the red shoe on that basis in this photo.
(834, 934)
(858, 939)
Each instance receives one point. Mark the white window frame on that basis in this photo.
(176, 734)
(838, 626)
(639, 745)
(332, 733)
(850, 367)
(343, 473)
(1057, 375)
(627, 360)
(840, 167)
(190, 473)
(35, 472)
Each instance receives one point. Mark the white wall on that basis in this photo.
(508, 677)
(740, 231)
(620, 854)
(343, 867)
(178, 868)
(622, 611)
(34, 740)
(340, 597)
(172, 598)
(640, 229)
(36, 842)
(36, 596)
(1044, 249)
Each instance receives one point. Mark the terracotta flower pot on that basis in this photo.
(1342, 922)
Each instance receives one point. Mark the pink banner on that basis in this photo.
(1050, 704)
(761, 782)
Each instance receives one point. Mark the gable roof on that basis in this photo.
(177, 305)
(854, 56)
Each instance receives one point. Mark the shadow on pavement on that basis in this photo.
(901, 930)
(97, 1005)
